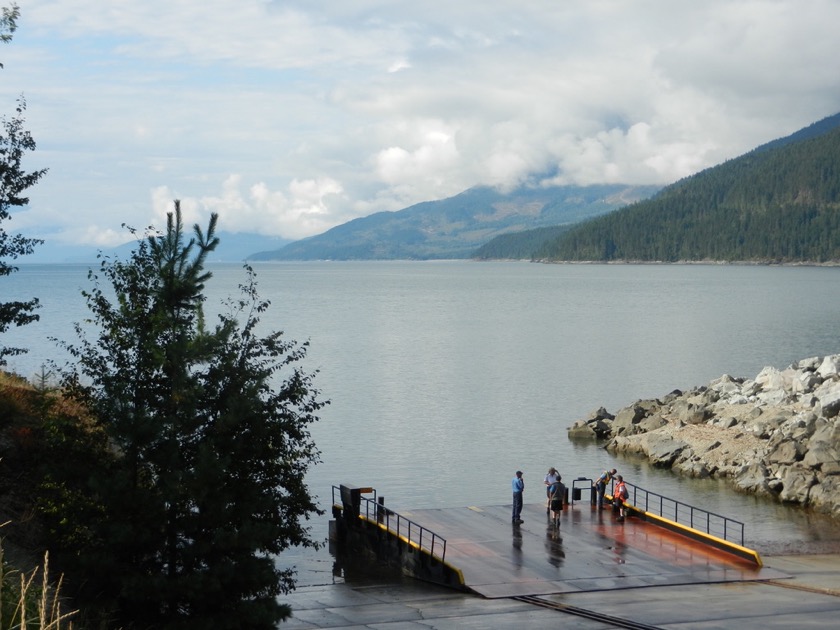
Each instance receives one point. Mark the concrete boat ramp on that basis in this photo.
(591, 573)
(589, 551)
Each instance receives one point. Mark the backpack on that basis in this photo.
(621, 492)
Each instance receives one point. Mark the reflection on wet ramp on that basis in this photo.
(589, 551)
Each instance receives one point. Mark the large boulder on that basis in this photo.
(753, 478)
(822, 456)
(830, 366)
(651, 423)
(796, 483)
(662, 449)
(828, 395)
(823, 496)
(597, 426)
(786, 452)
(582, 430)
(689, 412)
(626, 420)
(691, 465)
(726, 386)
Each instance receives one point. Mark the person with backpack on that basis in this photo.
(620, 496)
(557, 494)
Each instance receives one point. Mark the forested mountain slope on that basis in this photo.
(777, 203)
(456, 226)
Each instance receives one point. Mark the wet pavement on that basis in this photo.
(589, 550)
(628, 577)
(810, 598)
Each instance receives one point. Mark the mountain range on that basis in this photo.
(233, 247)
(455, 227)
(779, 203)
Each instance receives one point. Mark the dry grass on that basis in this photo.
(26, 603)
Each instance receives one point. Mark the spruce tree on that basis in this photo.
(205, 481)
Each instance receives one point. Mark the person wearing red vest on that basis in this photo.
(620, 496)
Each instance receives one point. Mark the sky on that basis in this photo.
(288, 118)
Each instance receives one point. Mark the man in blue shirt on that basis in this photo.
(518, 485)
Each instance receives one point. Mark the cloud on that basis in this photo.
(291, 117)
(300, 211)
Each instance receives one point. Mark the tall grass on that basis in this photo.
(27, 604)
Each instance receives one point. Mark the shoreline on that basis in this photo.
(775, 435)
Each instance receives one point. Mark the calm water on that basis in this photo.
(446, 377)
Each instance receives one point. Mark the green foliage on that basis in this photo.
(519, 245)
(779, 203)
(208, 430)
(8, 23)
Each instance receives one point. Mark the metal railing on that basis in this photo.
(697, 518)
(402, 527)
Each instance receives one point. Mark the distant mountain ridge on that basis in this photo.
(779, 203)
(233, 247)
(455, 227)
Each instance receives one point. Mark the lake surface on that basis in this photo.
(446, 377)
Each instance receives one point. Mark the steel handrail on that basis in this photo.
(697, 518)
(402, 527)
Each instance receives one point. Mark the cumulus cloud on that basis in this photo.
(290, 118)
(300, 211)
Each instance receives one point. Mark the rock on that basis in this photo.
(651, 423)
(693, 468)
(597, 426)
(726, 386)
(772, 396)
(828, 395)
(801, 427)
(726, 423)
(823, 496)
(777, 434)
(662, 449)
(819, 454)
(601, 414)
(581, 430)
(689, 412)
(786, 452)
(671, 396)
(627, 419)
(808, 365)
(810, 381)
(765, 426)
(830, 366)
(621, 444)
(796, 482)
(752, 478)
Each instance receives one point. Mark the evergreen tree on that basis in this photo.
(205, 482)
(15, 141)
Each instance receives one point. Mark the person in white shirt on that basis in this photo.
(550, 479)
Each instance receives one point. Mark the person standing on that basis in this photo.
(620, 496)
(518, 486)
(601, 485)
(550, 480)
(556, 498)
